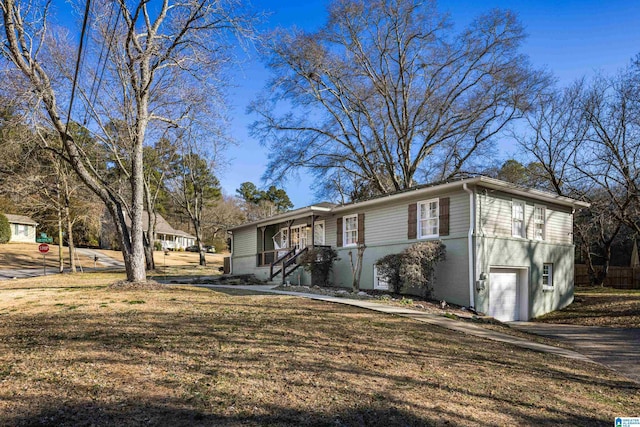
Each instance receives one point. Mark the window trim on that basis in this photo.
(549, 286)
(544, 222)
(379, 282)
(344, 231)
(522, 203)
(419, 219)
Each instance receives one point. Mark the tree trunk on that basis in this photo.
(149, 233)
(60, 234)
(356, 268)
(72, 249)
(203, 258)
(67, 215)
(136, 272)
(148, 254)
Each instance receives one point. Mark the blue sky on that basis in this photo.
(570, 38)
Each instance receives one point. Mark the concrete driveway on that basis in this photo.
(616, 348)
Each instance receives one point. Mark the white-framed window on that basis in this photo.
(350, 230)
(428, 219)
(517, 218)
(539, 222)
(298, 237)
(318, 233)
(284, 238)
(21, 230)
(547, 276)
(379, 282)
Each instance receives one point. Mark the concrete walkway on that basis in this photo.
(617, 348)
(433, 319)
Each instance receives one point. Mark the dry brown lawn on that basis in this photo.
(172, 258)
(73, 352)
(26, 255)
(600, 307)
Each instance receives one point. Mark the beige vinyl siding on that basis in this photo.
(245, 242)
(387, 223)
(386, 233)
(330, 231)
(559, 226)
(494, 216)
(459, 215)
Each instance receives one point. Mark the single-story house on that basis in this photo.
(23, 228)
(168, 237)
(510, 250)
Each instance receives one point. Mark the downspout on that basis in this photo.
(472, 223)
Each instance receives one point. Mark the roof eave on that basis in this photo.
(295, 214)
(532, 193)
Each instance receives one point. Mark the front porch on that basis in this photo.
(280, 245)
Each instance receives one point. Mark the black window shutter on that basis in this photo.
(412, 222)
(361, 229)
(444, 216)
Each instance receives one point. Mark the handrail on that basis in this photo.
(286, 261)
(283, 257)
(295, 257)
(278, 260)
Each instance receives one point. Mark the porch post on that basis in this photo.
(261, 246)
(313, 231)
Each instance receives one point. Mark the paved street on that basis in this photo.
(25, 272)
(21, 273)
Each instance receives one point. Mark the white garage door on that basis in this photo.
(503, 295)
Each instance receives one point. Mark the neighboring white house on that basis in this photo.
(510, 249)
(23, 228)
(168, 237)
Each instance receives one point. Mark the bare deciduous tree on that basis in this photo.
(587, 140)
(193, 186)
(386, 95)
(150, 47)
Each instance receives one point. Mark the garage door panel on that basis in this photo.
(503, 295)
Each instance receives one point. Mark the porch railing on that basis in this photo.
(287, 263)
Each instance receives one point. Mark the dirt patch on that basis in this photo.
(411, 302)
(148, 285)
(231, 280)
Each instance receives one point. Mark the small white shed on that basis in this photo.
(23, 228)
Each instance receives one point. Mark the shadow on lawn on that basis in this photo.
(243, 344)
(136, 413)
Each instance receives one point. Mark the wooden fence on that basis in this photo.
(617, 277)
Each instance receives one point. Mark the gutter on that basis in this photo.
(472, 223)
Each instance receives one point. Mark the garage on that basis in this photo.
(508, 294)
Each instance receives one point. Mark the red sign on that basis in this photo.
(43, 248)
